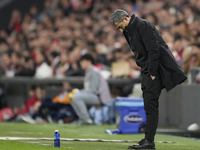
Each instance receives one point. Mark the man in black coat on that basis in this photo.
(159, 68)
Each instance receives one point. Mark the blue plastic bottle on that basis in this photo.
(56, 139)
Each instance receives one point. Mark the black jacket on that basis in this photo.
(152, 53)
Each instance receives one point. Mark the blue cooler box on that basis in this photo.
(130, 115)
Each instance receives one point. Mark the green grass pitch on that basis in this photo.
(84, 132)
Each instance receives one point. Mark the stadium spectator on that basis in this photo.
(27, 67)
(15, 22)
(34, 12)
(74, 68)
(191, 55)
(43, 70)
(62, 66)
(6, 65)
(54, 59)
(49, 10)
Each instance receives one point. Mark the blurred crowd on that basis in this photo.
(49, 43)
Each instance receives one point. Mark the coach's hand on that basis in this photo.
(153, 77)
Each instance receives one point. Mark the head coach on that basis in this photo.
(159, 68)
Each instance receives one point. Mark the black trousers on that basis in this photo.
(151, 92)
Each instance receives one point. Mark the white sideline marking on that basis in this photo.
(39, 143)
(24, 138)
(45, 144)
(63, 139)
(69, 139)
(24, 133)
(33, 142)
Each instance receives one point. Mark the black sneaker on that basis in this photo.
(143, 144)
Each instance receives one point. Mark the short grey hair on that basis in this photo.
(117, 16)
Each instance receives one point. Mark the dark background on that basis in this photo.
(22, 5)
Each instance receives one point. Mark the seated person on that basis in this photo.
(33, 109)
(95, 92)
(57, 109)
(31, 106)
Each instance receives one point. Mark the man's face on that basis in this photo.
(39, 93)
(39, 58)
(67, 86)
(121, 25)
(84, 64)
(195, 51)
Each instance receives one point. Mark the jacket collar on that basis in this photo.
(90, 68)
(131, 23)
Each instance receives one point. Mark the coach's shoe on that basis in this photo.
(143, 144)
